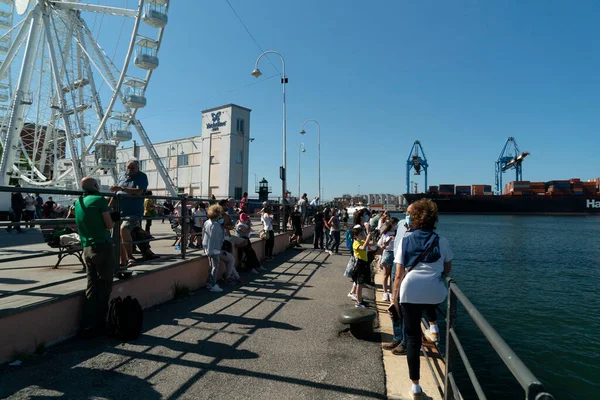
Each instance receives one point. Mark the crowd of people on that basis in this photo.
(411, 256)
(27, 207)
(218, 227)
(413, 260)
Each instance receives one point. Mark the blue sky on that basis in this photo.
(458, 76)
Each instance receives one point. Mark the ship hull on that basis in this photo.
(511, 205)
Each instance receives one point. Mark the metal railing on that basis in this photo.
(184, 222)
(531, 385)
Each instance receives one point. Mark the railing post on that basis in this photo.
(183, 216)
(450, 323)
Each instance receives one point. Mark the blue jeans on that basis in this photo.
(398, 326)
(328, 238)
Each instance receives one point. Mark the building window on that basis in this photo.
(121, 167)
(142, 165)
(240, 125)
(182, 160)
(164, 161)
(239, 157)
(213, 160)
(237, 193)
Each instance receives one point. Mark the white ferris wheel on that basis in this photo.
(73, 75)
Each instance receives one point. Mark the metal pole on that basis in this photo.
(299, 147)
(283, 181)
(283, 81)
(319, 157)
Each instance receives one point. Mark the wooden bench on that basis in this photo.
(64, 251)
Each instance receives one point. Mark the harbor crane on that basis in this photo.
(418, 161)
(510, 158)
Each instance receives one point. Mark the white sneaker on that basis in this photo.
(433, 337)
(353, 296)
(216, 288)
(254, 271)
(385, 297)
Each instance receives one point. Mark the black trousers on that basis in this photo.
(318, 238)
(412, 322)
(15, 219)
(269, 244)
(248, 256)
(100, 264)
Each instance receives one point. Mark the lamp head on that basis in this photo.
(302, 132)
(303, 150)
(256, 73)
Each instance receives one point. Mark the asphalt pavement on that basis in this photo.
(275, 337)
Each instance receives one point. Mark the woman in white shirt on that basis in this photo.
(421, 259)
(267, 220)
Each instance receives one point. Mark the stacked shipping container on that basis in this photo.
(573, 186)
(538, 188)
(518, 188)
(482, 190)
(559, 188)
(590, 187)
(447, 190)
(463, 190)
(577, 186)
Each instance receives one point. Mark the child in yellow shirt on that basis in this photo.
(362, 273)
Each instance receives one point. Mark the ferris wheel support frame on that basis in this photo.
(112, 82)
(77, 169)
(43, 18)
(13, 132)
(117, 88)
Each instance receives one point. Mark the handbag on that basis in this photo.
(227, 246)
(262, 234)
(351, 267)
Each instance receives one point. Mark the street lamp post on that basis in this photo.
(302, 132)
(302, 149)
(256, 73)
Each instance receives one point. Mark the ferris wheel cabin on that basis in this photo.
(106, 155)
(146, 54)
(134, 93)
(5, 20)
(155, 13)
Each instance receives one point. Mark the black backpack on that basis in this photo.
(125, 318)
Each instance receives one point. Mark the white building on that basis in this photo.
(216, 162)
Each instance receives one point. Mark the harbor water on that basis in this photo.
(536, 281)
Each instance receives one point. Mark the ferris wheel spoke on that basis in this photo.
(61, 98)
(16, 44)
(15, 123)
(119, 12)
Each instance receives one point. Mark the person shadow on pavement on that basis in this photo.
(84, 383)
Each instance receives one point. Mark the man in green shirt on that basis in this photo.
(93, 224)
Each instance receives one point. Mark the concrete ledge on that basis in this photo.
(22, 330)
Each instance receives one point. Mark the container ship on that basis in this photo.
(561, 197)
